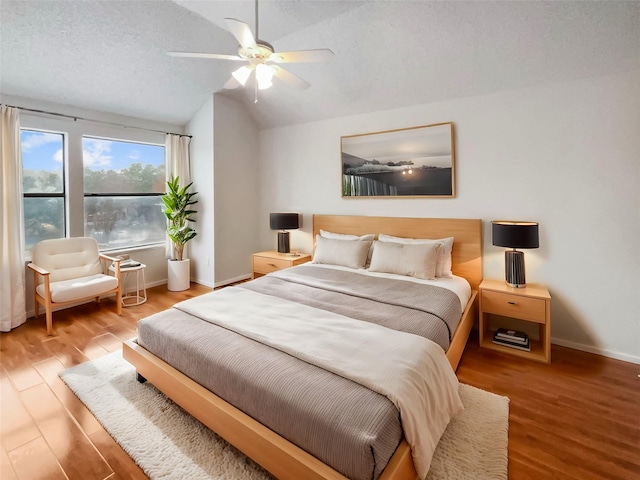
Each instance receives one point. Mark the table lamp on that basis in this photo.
(284, 221)
(513, 234)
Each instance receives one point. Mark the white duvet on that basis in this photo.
(411, 371)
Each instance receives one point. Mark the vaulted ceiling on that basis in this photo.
(111, 55)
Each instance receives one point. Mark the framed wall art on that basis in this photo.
(408, 162)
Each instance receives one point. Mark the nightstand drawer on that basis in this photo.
(508, 305)
(265, 265)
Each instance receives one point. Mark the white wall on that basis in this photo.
(224, 168)
(236, 182)
(201, 152)
(566, 155)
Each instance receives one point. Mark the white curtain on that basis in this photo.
(178, 164)
(12, 285)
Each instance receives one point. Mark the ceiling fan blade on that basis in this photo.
(219, 56)
(320, 55)
(289, 78)
(242, 32)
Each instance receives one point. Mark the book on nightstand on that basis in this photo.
(517, 344)
(512, 335)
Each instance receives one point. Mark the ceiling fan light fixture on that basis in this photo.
(264, 75)
(242, 74)
(264, 85)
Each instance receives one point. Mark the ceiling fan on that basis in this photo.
(261, 59)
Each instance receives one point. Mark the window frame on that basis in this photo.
(73, 132)
(62, 194)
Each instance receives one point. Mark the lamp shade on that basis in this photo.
(284, 221)
(512, 234)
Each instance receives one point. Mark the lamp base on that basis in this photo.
(283, 242)
(514, 268)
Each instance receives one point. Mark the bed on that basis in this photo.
(281, 457)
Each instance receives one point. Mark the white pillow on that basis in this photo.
(346, 253)
(342, 236)
(414, 260)
(369, 237)
(443, 267)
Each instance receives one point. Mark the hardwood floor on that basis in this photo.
(45, 431)
(578, 418)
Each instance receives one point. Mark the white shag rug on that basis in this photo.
(168, 443)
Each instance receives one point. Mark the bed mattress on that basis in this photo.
(342, 423)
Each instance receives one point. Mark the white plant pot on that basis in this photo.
(178, 274)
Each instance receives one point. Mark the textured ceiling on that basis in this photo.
(111, 55)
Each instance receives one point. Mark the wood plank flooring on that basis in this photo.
(578, 418)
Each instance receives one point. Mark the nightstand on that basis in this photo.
(528, 304)
(267, 262)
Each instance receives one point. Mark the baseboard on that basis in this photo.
(202, 282)
(625, 357)
(157, 283)
(222, 283)
(229, 281)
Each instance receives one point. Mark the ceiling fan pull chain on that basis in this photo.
(255, 86)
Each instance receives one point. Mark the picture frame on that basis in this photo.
(407, 162)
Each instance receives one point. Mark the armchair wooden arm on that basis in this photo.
(109, 257)
(116, 263)
(37, 270)
(46, 299)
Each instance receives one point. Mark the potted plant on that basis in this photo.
(177, 208)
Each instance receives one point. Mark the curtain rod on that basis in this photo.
(76, 118)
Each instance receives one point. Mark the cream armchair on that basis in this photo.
(68, 270)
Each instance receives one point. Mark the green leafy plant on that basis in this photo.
(177, 202)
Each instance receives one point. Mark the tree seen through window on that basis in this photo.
(123, 182)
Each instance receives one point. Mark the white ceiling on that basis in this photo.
(111, 55)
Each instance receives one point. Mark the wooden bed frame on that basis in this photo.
(277, 455)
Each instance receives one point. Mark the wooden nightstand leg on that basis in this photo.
(546, 331)
(486, 327)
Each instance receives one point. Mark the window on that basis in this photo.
(93, 179)
(43, 163)
(123, 182)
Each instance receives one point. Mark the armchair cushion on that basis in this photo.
(78, 288)
(67, 258)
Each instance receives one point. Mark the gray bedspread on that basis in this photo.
(426, 310)
(344, 424)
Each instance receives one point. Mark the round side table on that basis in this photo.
(139, 295)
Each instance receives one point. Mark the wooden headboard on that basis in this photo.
(466, 258)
